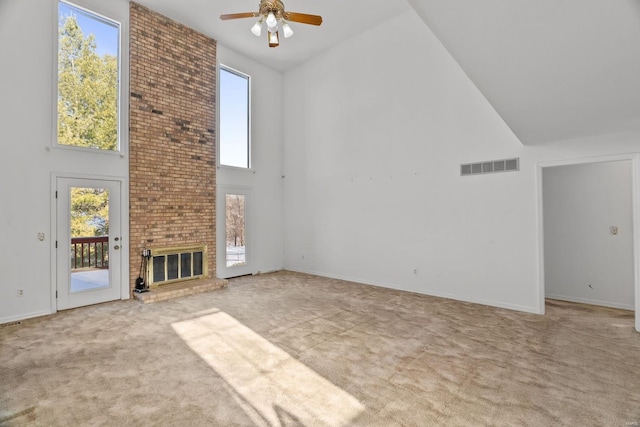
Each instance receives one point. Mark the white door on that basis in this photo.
(88, 242)
(235, 239)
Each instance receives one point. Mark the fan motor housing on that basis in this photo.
(276, 7)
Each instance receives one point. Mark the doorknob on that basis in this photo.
(116, 247)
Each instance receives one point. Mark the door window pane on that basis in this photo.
(235, 230)
(89, 226)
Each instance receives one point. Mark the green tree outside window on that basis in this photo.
(87, 90)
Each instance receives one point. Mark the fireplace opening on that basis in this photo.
(169, 265)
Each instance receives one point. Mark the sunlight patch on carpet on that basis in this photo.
(273, 386)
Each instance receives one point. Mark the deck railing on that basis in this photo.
(90, 252)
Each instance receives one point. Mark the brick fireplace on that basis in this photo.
(172, 138)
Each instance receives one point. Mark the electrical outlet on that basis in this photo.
(614, 230)
(20, 293)
(415, 271)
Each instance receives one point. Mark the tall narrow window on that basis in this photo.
(234, 119)
(88, 79)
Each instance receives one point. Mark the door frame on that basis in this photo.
(222, 270)
(635, 202)
(124, 232)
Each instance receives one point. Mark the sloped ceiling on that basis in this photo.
(553, 69)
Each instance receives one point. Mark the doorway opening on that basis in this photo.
(588, 231)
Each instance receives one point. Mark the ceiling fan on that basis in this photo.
(272, 13)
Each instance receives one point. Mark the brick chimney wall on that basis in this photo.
(172, 137)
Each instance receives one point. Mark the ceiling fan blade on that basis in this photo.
(303, 18)
(238, 15)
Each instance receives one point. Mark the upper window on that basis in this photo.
(234, 119)
(87, 79)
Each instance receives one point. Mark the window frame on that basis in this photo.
(235, 71)
(122, 105)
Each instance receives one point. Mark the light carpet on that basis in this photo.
(289, 349)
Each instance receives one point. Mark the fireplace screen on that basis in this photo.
(175, 264)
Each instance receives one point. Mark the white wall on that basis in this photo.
(28, 33)
(376, 130)
(583, 261)
(265, 234)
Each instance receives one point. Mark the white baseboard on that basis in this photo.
(591, 301)
(25, 316)
(497, 304)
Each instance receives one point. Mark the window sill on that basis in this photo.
(237, 168)
(87, 150)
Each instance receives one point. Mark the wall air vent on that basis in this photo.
(480, 168)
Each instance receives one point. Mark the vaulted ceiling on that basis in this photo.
(553, 69)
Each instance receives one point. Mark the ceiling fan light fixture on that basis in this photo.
(274, 41)
(286, 30)
(271, 20)
(272, 14)
(257, 28)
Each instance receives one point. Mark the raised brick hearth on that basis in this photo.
(180, 289)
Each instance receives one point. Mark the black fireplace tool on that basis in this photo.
(140, 281)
